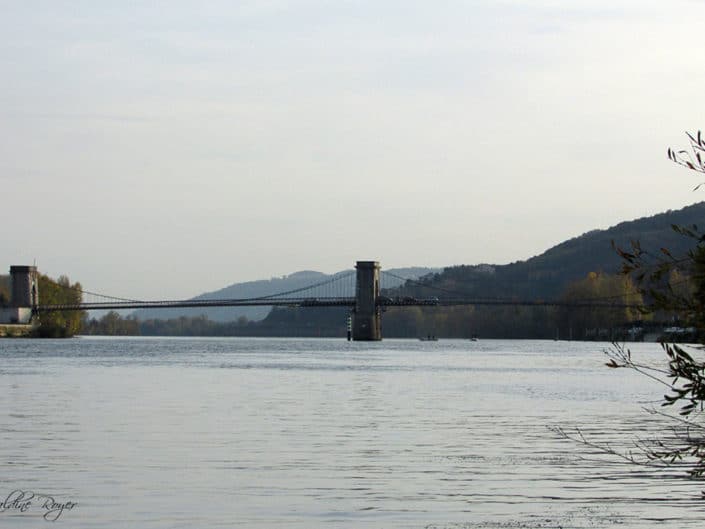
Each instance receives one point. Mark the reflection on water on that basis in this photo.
(162, 433)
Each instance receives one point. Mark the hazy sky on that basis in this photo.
(162, 149)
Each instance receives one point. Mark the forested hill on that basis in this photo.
(546, 276)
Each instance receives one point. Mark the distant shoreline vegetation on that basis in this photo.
(571, 322)
(508, 322)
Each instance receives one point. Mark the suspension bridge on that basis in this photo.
(359, 290)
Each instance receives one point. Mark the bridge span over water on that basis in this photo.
(366, 305)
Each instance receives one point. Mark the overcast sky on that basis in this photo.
(163, 149)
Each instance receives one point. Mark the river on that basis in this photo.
(299, 433)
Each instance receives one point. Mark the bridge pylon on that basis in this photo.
(24, 297)
(367, 319)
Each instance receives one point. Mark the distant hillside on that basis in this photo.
(546, 275)
(253, 289)
(543, 277)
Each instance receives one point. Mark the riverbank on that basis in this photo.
(8, 330)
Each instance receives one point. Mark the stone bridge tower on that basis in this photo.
(366, 316)
(24, 286)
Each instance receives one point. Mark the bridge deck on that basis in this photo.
(321, 302)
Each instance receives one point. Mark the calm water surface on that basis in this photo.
(166, 433)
